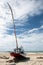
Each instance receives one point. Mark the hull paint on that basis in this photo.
(17, 55)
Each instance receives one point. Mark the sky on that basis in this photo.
(28, 19)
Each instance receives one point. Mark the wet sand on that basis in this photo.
(31, 59)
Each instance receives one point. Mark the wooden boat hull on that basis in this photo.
(17, 55)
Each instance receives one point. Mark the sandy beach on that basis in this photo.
(32, 59)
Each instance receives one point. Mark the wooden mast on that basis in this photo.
(14, 25)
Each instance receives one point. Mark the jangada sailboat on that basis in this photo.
(18, 52)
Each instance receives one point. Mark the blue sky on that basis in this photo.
(28, 18)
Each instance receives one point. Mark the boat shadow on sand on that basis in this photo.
(16, 60)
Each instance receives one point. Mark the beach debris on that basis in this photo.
(10, 61)
(4, 57)
(39, 57)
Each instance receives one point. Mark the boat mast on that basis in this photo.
(14, 25)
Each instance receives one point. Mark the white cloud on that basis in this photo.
(34, 30)
(41, 27)
(32, 41)
(23, 7)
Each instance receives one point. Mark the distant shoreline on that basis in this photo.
(33, 51)
(26, 51)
